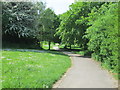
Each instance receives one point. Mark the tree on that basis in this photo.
(20, 20)
(103, 34)
(47, 22)
(74, 24)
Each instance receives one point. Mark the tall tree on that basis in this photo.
(20, 19)
(74, 23)
(47, 26)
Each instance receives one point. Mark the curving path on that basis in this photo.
(85, 73)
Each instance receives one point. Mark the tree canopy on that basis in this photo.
(29, 20)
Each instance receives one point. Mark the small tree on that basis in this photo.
(47, 26)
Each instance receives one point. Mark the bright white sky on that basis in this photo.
(59, 6)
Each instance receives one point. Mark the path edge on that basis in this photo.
(58, 82)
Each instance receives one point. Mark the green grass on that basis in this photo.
(61, 46)
(0, 70)
(32, 69)
(46, 46)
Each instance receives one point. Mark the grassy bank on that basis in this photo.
(32, 69)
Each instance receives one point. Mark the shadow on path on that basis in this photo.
(37, 51)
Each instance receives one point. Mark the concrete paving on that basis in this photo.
(85, 73)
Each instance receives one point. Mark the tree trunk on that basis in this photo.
(70, 46)
(49, 45)
(41, 45)
(37, 44)
(65, 47)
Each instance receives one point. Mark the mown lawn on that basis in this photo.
(0, 70)
(32, 69)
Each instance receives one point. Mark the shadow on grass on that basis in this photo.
(37, 51)
(59, 52)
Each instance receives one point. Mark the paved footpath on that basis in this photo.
(85, 73)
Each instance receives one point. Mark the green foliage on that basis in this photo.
(74, 24)
(46, 25)
(29, 20)
(18, 18)
(103, 35)
(48, 22)
(46, 46)
(68, 28)
(31, 69)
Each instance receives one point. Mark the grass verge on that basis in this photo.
(32, 69)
